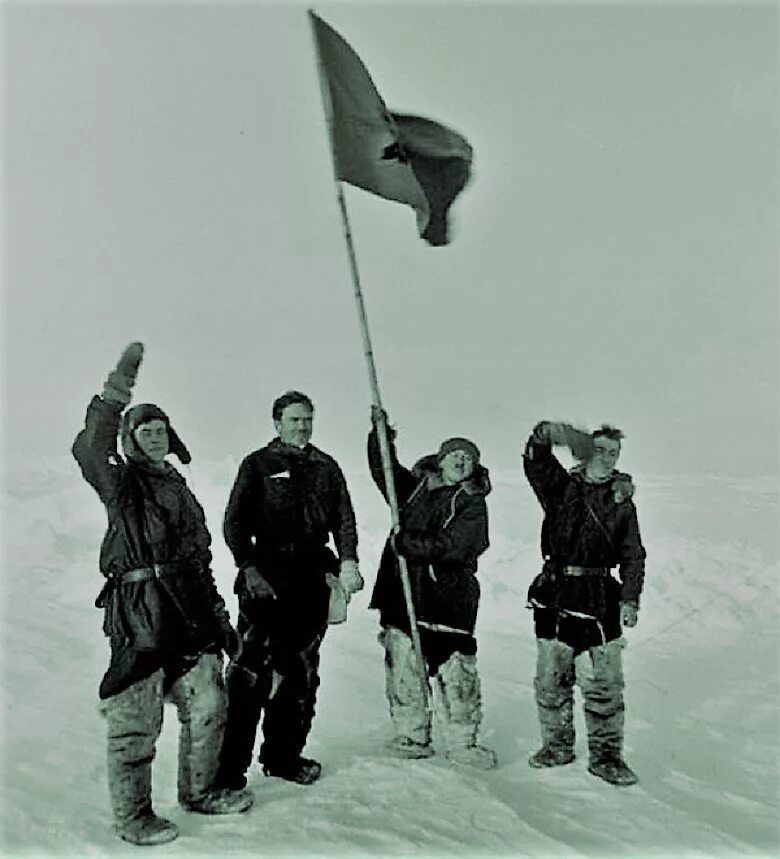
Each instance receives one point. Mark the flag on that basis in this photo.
(409, 159)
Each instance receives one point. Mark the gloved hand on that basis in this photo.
(623, 488)
(120, 380)
(350, 578)
(255, 585)
(232, 642)
(547, 432)
(565, 435)
(376, 417)
(417, 544)
(629, 614)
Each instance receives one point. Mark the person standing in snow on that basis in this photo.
(590, 527)
(166, 622)
(287, 500)
(443, 531)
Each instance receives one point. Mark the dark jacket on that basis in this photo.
(153, 521)
(444, 530)
(285, 504)
(586, 525)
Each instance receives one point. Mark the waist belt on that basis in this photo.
(585, 571)
(144, 574)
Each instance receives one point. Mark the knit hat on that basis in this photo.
(458, 444)
(143, 413)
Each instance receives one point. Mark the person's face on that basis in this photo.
(295, 424)
(152, 439)
(457, 465)
(605, 456)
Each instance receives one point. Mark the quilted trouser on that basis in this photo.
(554, 690)
(134, 718)
(199, 696)
(404, 681)
(602, 692)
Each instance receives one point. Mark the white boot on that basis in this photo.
(460, 710)
(134, 718)
(404, 686)
(201, 704)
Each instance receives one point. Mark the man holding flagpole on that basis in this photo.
(443, 531)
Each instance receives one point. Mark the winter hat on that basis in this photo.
(143, 413)
(458, 444)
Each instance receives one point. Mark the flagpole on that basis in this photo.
(384, 445)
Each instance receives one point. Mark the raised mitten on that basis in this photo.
(122, 378)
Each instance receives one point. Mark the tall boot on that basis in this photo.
(199, 697)
(554, 691)
(288, 717)
(248, 683)
(459, 702)
(134, 718)
(404, 681)
(604, 715)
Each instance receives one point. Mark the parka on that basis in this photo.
(444, 529)
(154, 524)
(588, 525)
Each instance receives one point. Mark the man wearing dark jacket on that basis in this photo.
(590, 527)
(443, 531)
(288, 499)
(164, 617)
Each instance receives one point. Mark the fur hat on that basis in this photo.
(456, 443)
(143, 413)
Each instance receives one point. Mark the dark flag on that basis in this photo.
(405, 158)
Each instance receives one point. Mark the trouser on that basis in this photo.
(134, 717)
(457, 695)
(602, 693)
(285, 701)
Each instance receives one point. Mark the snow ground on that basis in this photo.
(702, 696)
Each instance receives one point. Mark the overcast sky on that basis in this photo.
(167, 178)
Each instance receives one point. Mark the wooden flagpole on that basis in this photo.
(384, 446)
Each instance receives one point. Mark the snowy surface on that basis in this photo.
(702, 695)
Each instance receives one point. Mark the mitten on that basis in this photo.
(231, 642)
(350, 578)
(122, 378)
(623, 488)
(579, 442)
(377, 414)
(418, 545)
(629, 613)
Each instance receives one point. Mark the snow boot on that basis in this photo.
(403, 747)
(460, 709)
(147, 830)
(222, 801)
(604, 714)
(614, 770)
(554, 692)
(548, 756)
(479, 757)
(404, 686)
(134, 718)
(299, 770)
